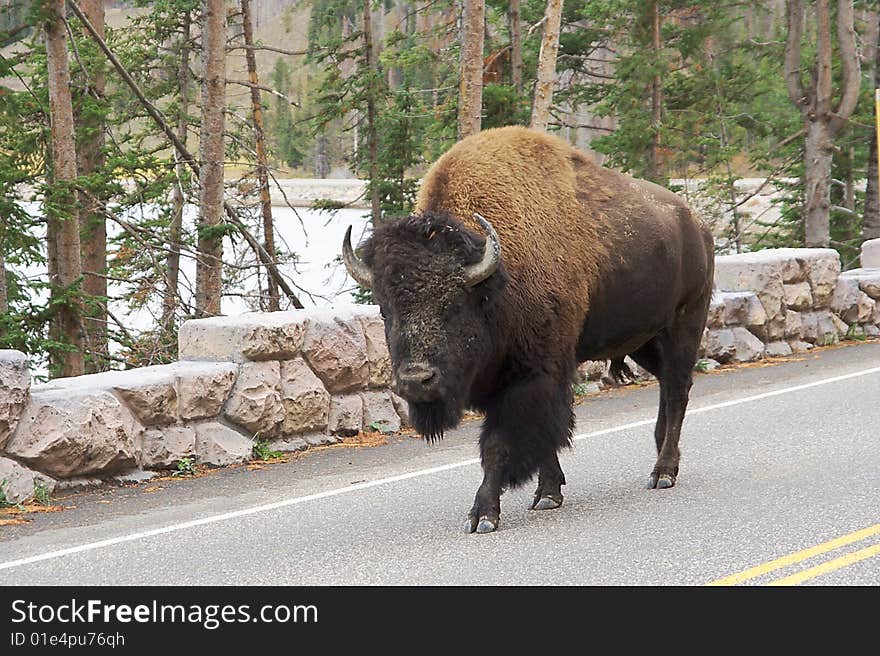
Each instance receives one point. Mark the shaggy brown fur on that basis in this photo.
(594, 265)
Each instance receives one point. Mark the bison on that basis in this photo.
(522, 259)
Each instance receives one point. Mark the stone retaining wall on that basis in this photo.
(308, 377)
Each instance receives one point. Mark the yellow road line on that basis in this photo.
(830, 566)
(797, 557)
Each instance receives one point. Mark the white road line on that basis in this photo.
(394, 479)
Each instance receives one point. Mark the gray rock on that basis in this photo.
(220, 445)
(288, 444)
(741, 308)
(15, 381)
(793, 324)
(306, 401)
(809, 327)
(164, 448)
(871, 330)
(707, 364)
(757, 272)
(135, 476)
(823, 270)
(793, 270)
(402, 408)
(378, 358)
(255, 336)
(638, 371)
(256, 403)
(845, 300)
(831, 328)
(841, 328)
(870, 258)
(161, 394)
(868, 280)
(593, 369)
(18, 483)
(798, 296)
(320, 439)
(777, 349)
(721, 345)
(346, 415)
(202, 388)
(715, 318)
(336, 349)
(153, 404)
(68, 432)
(379, 412)
(798, 346)
(747, 347)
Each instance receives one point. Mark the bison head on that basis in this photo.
(437, 284)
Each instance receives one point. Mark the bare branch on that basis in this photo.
(274, 92)
(245, 46)
(849, 64)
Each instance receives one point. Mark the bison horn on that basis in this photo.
(477, 273)
(355, 267)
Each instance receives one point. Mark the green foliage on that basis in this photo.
(503, 106)
(580, 389)
(185, 467)
(42, 496)
(262, 450)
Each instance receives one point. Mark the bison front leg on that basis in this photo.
(520, 438)
(486, 512)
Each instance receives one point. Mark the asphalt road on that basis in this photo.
(780, 482)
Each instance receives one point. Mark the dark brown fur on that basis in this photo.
(595, 265)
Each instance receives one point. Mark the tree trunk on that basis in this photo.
(93, 223)
(655, 171)
(4, 301)
(470, 92)
(822, 120)
(210, 246)
(817, 183)
(546, 76)
(182, 150)
(372, 135)
(175, 229)
(516, 63)
(322, 162)
(871, 217)
(262, 159)
(62, 231)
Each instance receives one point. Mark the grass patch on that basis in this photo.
(185, 467)
(580, 389)
(42, 495)
(262, 451)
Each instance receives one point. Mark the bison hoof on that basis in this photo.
(485, 525)
(546, 503)
(660, 481)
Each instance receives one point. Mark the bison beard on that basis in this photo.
(434, 418)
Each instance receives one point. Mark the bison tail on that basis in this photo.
(620, 371)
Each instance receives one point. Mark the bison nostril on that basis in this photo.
(416, 379)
